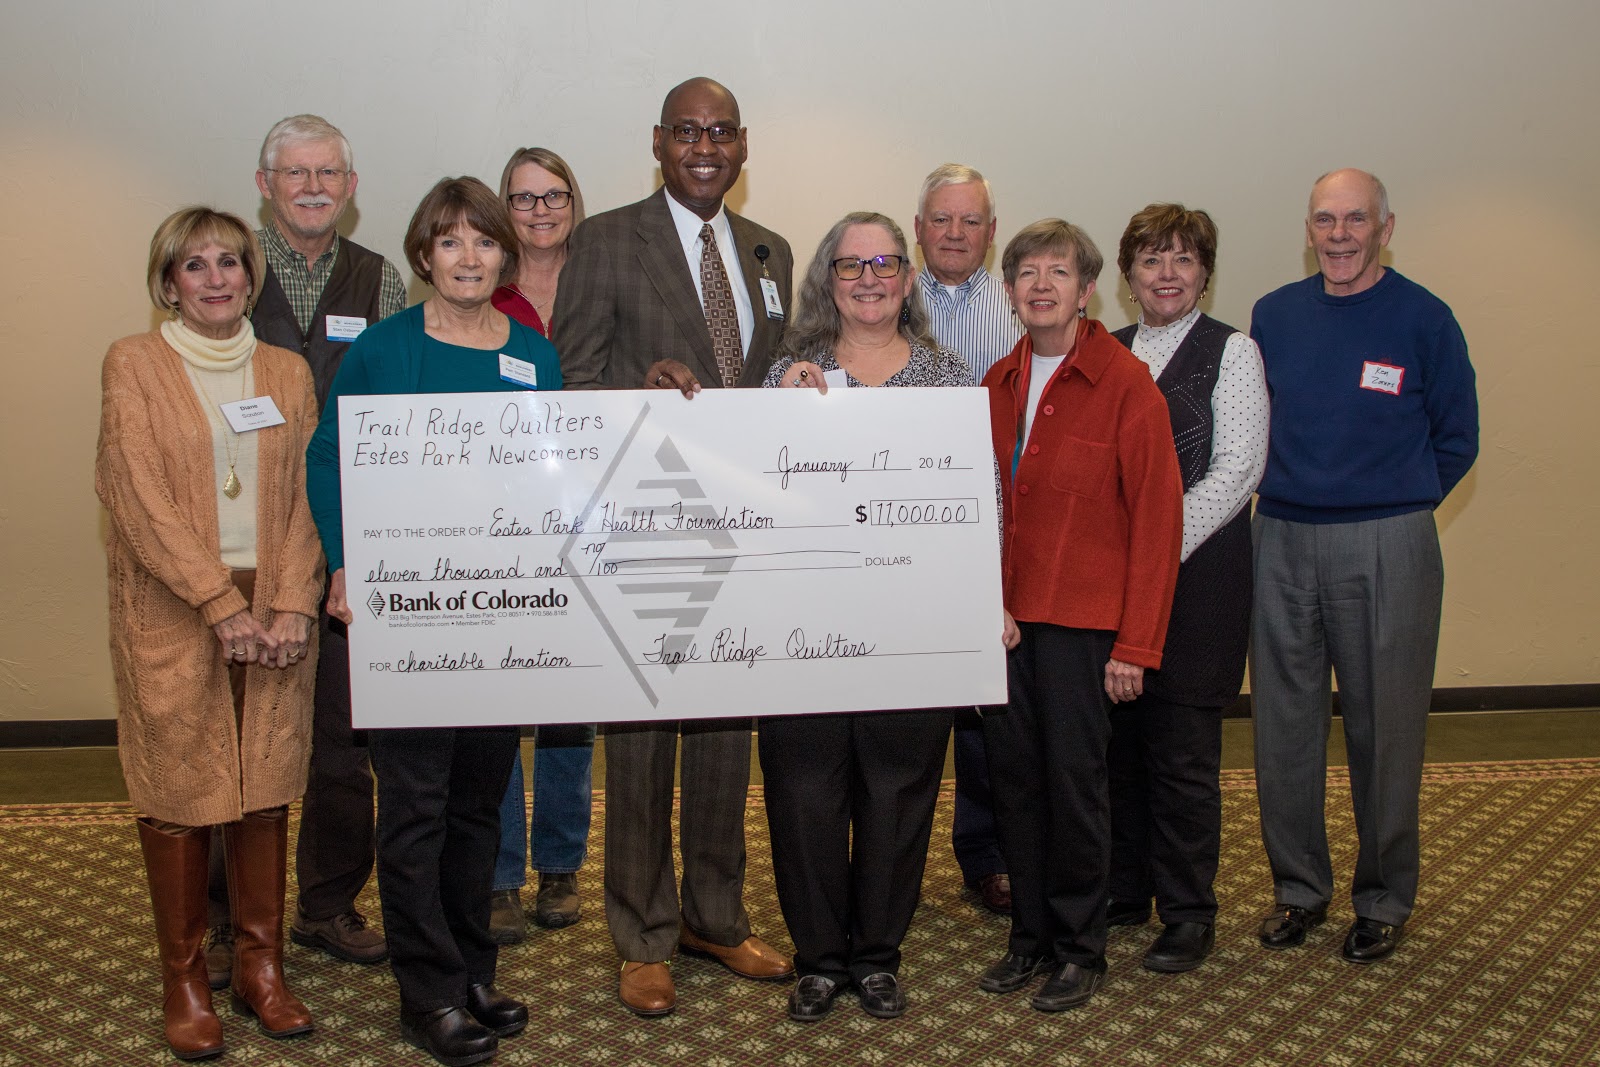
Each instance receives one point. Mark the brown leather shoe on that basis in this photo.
(995, 892)
(646, 989)
(219, 955)
(345, 936)
(557, 904)
(752, 958)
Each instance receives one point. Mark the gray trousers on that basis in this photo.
(642, 894)
(1361, 599)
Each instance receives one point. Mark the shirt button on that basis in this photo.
(1033, 450)
(1048, 409)
(1022, 490)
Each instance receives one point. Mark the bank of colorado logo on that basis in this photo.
(375, 604)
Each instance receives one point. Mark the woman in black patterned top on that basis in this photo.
(850, 796)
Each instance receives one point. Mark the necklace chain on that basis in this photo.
(231, 486)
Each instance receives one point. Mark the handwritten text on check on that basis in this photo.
(608, 556)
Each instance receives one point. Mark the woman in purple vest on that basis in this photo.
(1166, 746)
(546, 205)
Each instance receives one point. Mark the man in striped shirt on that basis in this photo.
(970, 315)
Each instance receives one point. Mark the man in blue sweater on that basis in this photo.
(1374, 421)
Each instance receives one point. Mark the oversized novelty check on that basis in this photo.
(601, 556)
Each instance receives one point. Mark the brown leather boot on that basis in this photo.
(176, 867)
(258, 849)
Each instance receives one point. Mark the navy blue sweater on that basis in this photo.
(1374, 406)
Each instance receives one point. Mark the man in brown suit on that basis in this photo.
(649, 298)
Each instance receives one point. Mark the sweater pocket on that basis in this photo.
(1082, 468)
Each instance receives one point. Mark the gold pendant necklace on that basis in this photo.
(231, 485)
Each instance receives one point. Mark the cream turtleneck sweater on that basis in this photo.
(220, 373)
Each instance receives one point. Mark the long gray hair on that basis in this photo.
(817, 323)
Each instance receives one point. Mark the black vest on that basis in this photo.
(1202, 664)
(354, 288)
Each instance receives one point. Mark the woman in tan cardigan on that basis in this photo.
(216, 575)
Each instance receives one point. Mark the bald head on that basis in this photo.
(694, 88)
(1351, 179)
(1348, 223)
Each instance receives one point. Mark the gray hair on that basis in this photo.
(300, 128)
(1383, 194)
(952, 174)
(1056, 236)
(817, 323)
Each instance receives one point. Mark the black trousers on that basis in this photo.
(334, 856)
(1047, 762)
(972, 836)
(850, 801)
(439, 796)
(1166, 807)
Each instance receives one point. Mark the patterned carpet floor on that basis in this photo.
(1501, 964)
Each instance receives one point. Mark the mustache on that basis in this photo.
(313, 201)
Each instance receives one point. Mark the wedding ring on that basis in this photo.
(237, 651)
(659, 377)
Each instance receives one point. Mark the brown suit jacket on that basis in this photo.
(627, 299)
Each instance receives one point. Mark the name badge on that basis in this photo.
(769, 294)
(1382, 377)
(836, 379)
(254, 413)
(518, 372)
(345, 327)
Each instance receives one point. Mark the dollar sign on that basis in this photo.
(861, 513)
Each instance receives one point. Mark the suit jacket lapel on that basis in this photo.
(662, 260)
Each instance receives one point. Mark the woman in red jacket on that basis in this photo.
(1093, 527)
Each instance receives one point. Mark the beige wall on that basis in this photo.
(1480, 116)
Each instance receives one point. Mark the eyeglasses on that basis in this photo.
(555, 200)
(689, 133)
(330, 175)
(850, 268)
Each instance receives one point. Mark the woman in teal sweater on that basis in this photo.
(439, 789)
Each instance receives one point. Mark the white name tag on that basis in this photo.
(836, 379)
(255, 413)
(1382, 377)
(345, 327)
(518, 372)
(769, 294)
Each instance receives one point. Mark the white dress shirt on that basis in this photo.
(688, 224)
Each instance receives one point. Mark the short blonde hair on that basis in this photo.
(543, 157)
(190, 229)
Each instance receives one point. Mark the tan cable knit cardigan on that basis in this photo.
(182, 755)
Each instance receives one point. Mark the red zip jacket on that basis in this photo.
(1094, 514)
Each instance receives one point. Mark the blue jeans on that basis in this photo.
(558, 840)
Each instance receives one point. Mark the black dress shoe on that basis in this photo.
(1069, 986)
(1013, 972)
(500, 1013)
(1181, 947)
(450, 1035)
(881, 996)
(1127, 912)
(1370, 940)
(812, 998)
(1288, 926)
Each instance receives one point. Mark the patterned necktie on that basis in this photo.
(722, 317)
